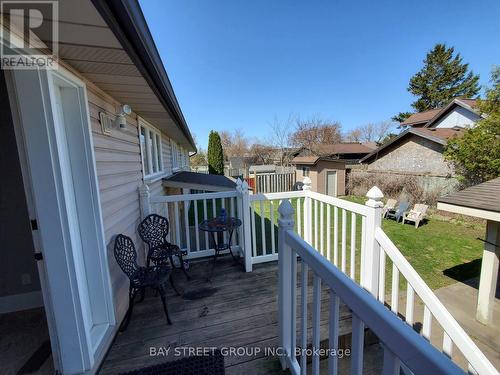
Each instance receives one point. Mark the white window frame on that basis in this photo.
(152, 154)
(175, 156)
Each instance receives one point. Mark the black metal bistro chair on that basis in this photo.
(153, 231)
(155, 277)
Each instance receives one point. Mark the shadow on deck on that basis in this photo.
(233, 310)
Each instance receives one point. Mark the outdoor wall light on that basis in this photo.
(121, 120)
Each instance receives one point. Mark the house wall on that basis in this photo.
(119, 171)
(458, 117)
(324, 166)
(318, 173)
(413, 154)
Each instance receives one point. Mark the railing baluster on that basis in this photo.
(363, 244)
(316, 224)
(205, 216)
(316, 322)
(410, 296)
(223, 206)
(447, 345)
(395, 289)
(328, 233)
(167, 215)
(254, 229)
(392, 364)
(381, 280)
(426, 329)
(333, 334)
(177, 223)
(293, 300)
(303, 317)
(299, 218)
(214, 208)
(273, 245)
(233, 214)
(197, 233)
(344, 240)
(186, 224)
(262, 227)
(322, 227)
(353, 246)
(335, 235)
(358, 336)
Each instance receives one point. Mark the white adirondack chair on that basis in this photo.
(416, 215)
(389, 206)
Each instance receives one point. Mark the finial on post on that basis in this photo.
(374, 196)
(286, 212)
(238, 184)
(307, 183)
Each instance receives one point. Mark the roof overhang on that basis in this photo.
(448, 108)
(407, 132)
(109, 45)
(199, 181)
(469, 211)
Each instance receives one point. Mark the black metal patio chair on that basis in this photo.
(154, 231)
(155, 277)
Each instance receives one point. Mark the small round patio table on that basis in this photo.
(216, 227)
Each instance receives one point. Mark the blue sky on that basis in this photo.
(240, 64)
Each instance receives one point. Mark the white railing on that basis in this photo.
(186, 211)
(346, 235)
(401, 344)
(451, 332)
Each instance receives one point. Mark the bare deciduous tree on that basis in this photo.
(371, 132)
(280, 138)
(315, 131)
(234, 143)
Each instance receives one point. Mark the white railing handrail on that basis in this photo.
(412, 349)
(460, 338)
(191, 197)
(341, 203)
(275, 196)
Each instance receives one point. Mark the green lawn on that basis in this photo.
(441, 251)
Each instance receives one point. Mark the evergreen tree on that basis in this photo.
(215, 155)
(443, 77)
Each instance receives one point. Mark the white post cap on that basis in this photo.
(374, 196)
(307, 183)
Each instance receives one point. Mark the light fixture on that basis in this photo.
(121, 120)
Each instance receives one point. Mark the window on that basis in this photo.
(175, 155)
(150, 139)
(305, 171)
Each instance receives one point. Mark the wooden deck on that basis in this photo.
(235, 309)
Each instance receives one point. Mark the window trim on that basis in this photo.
(153, 153)
(304, 170)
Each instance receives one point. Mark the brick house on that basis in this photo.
(418, 150)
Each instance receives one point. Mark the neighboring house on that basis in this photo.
(328, 165)
(460, 113)
(71, 189)
(418, 150)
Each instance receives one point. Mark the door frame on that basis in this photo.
(75, 349)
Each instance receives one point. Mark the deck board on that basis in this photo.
(242, 312)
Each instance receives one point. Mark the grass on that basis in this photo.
(441, 251)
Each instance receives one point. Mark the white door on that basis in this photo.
(331, 183)
(53, 117)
